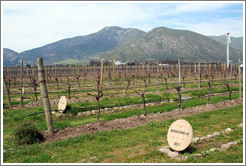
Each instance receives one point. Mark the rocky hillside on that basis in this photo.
(128, 44)
(10, 57)
(164, 43)
(236, 42)
(82, 47)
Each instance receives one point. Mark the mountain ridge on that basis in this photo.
(164, 43)
(124, 44)
(236, 42)
(81, 47)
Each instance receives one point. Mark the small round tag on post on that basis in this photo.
(179, 135)
(62, 104)
(23, 91)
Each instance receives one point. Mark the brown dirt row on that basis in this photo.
(137, 120)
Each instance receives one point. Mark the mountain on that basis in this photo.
(10, 57)
(236, 42)
(82, 47)
(164, 43)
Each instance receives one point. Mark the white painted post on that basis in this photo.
(228, 41)
(239, 74)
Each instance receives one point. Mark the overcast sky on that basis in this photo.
(27, 25)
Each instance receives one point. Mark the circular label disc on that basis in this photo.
(179, 135)
(23, 91)
(62, 103)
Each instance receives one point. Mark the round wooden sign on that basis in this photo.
(179, 135)
(62, 103)
(23, 91)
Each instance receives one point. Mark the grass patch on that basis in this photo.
(135, 145)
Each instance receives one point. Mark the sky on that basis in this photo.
(28, 25)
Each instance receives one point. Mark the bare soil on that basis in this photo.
(137, 120)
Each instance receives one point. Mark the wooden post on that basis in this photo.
(209, 91)
(109, 72)
(101, 77)
(27, 72)
(239, 74)
(199, 76)
(46, 73)
(161, 69)
(137, 70)
(94, 71)
(69, 87)
(158, 77)
(113, 69)
(44, 96)
(11, 71)
(179, 72)
(230, 72)
(21, 83)
(195, 68)
(34, 82)
(143, 72)
(33, 70)
(7, 92)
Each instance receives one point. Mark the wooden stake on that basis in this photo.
(7, 92)
(109, 72)
(113, 69)
(143, 72)
(101, 77)
(46, 73)
(21, 83)
(34, 82)
(158, 77)
(239, 74)
(199, 76)
(44, 96)
(179, 72)
(230, 72)
(27, 72)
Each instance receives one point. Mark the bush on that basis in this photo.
(27, 134)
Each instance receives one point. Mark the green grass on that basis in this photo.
(12, 118)
(136, 145)
(117, 102)
(107, 91)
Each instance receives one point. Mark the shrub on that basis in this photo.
(27, 134)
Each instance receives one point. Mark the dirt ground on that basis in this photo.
(137, 120)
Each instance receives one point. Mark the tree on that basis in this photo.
(128, 84)
(7, 92)
(77, 76)
(178, 88)
(98, 96)
(209, 91)
(166, 83)
(227, 84)
(143, 97)
(34, 85)
(69, 90)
